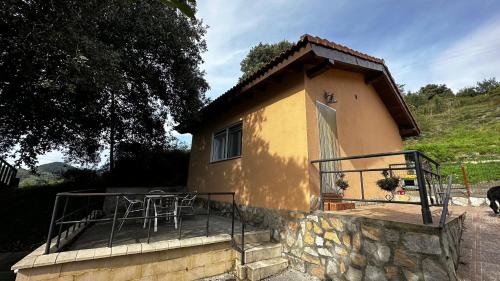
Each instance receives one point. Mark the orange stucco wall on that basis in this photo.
(364, 126)
(272, 171)
(280, 138)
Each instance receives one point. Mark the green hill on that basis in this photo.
(459, 128)
(46, 174)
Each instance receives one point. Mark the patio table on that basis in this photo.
(155, 197)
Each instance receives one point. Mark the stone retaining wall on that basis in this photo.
(345, 247)
(356, 248)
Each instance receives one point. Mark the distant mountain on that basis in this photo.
(49, 173)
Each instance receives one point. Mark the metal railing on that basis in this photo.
(7, 174)
(241, 247)
(447, 197)
(89, 208)
(426, 171)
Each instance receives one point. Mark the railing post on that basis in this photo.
(444, 211)
(208, 214)
(321, 203)
(424, 203)
(232, 219)
(362, 185)
(180, 222)
(61, 222)
(110, 244)
(52, 220)
(242, 242)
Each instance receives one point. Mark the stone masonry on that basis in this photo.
(332, 246)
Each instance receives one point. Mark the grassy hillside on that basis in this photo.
(47, 174)
(459, 128)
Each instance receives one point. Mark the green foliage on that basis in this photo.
(260, 55)
(27, 213)
(136, 165)
(486, 86)
(63, 63)
(458, 128)
(46, 174)
(476, 171)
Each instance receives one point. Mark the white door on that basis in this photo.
(328, 144)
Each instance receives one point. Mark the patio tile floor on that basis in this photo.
(97, 235)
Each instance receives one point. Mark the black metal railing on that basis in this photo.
(425, 170)
(7, 174)
(447, 197)
(87, 207)
(240, 248)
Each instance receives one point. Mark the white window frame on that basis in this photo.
(226, 143)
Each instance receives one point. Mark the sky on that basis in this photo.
(427, 41)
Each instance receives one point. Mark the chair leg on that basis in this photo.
(156, 217)
(124, 216)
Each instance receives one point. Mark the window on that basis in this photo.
(226, 143)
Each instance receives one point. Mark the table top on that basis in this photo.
(160, 195)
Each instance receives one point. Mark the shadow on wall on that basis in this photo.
(281, 182)
(268, 176)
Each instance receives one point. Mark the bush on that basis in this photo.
(137, 166)
(26, 214)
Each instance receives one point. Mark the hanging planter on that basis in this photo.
(388, 183)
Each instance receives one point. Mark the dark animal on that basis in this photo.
(494, 197)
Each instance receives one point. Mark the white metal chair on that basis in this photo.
(187, 203)
(163, 205)
(133, 206)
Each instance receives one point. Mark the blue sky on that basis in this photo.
(427, 41)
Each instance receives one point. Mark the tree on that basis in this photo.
(486, 86)
(430, 91)
(71, 70)
(260, 55)
(467, 92)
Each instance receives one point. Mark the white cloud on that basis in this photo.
(473, 58)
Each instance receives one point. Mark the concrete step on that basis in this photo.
(254, 237)
(261, 251)
(262, 269)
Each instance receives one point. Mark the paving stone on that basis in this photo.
(391, 272)
(311, 251)
(433, 271)
(422, 243)
(337, 224)
(317, 229)
(373, 273)
(308, 238)
(311, 259)
(341, 251)
(346, 238)
(325, 252)
(332, 268)
(330, 235)
(319, 241)
(358, 260)
(324, 223)
(354, 274)
(404, 259)
(410, 276)
(356, 241)
(371, 232)
(342, 267)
